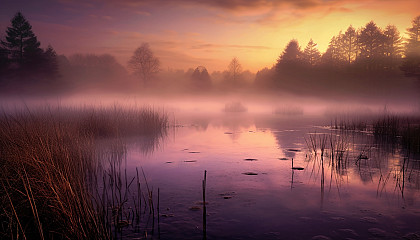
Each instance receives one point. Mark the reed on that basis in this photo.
(388, 129)
(51, 167)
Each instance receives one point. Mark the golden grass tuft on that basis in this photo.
(49, 162)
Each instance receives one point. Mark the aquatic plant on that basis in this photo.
(388, 129)
(235, 107)
(288, 110)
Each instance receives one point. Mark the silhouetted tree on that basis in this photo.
(4, 62)
(350, 44)
(291, 56)
(311, 54)
(25, 58)
(334, 56)
(21, 43)
(50, 65)
(201, 78)
(264, 77)
(411, 62)
(144, 63)
(392, 46)
(235, 69)
(371, 43)
(93, 69)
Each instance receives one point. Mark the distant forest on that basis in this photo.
(368, 61)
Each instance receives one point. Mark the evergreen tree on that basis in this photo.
(22, 43)
(371, 43)
(4, 61)
(411, 63)
(349, 44)
(311, 54)
(201, 78)
(393, 46)
(291, 56)
(50, 63)
(334, 55)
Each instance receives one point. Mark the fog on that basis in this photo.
(77, 128)
(369, 68)
(90, 78)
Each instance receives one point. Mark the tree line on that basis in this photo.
(21, 56)
(365, 53)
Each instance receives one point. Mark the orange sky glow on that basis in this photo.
(185, 33)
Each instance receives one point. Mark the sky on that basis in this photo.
(189, 33)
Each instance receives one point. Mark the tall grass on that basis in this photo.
(378, 147)
(50, 161)
(388, 129)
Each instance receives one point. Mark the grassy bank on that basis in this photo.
(49, 163)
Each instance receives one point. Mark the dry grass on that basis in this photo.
(49, 163)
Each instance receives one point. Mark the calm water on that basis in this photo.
(253, 193)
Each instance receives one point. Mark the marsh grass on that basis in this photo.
(382, 148)
(388, 129)
(51, 164)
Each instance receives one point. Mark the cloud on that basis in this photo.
(205, 46)
(223, 4)
(142, 13)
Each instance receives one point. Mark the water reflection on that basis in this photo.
(349, 180)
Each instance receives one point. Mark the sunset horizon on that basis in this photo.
(185, 34)
(209, 119)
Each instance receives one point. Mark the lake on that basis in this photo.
(344, 185)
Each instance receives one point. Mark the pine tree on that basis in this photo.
(4, 61)
(291, 56)
(50, 63)
(371, 43)
(21, 43)
(311, 54)
(393, 46)
(334, 55)
(350, 44)
(411, 63)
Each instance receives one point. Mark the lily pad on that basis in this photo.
(195, 208)
(250, 173)
(190, 161)
(298, 168)
(377, 232)
(227, 194)
(251, 159)
(166, 215)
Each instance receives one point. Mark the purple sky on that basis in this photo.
(187, 33)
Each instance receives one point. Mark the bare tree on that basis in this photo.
(143, 63)
(235, 69)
